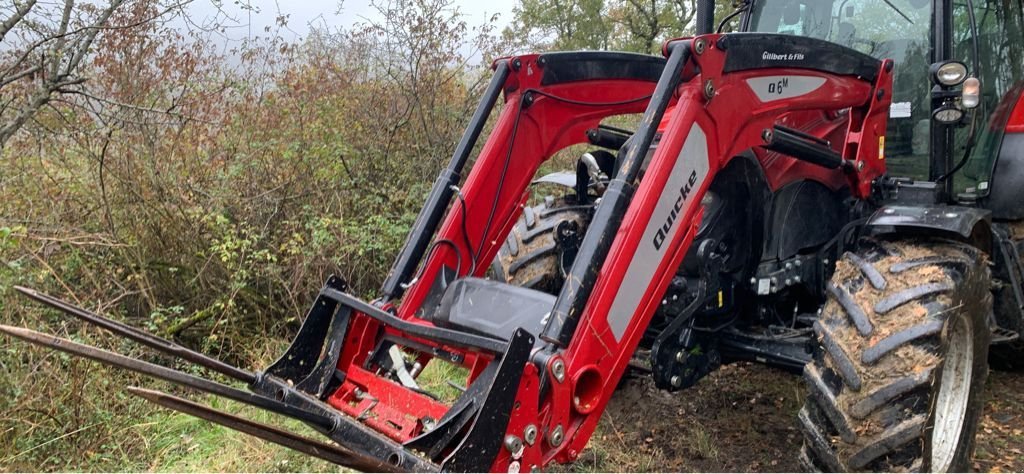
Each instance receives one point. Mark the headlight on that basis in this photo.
(949, 74)
(948, 115)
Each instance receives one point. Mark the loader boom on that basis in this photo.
(537, 386)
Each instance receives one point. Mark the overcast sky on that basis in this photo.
(330, 13)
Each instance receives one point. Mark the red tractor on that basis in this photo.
(837, 189)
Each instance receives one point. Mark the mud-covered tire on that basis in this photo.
(897, 381)
(529, 257)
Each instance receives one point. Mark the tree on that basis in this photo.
(643, 25)
(561, 24)
(628, 25)
(45, 47)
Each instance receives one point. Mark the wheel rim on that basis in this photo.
(954, 391)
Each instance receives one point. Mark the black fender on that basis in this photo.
(967, 224)
(1006, 188)
(804, 214)
(1006, 198)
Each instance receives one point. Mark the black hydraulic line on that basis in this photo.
(579, 283)
(328, 452)
(120, 361)
(141, 337)
(441, 194)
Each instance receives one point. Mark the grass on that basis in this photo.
(436, 377)
(182, 443)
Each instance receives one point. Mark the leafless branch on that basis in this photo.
(20, 12)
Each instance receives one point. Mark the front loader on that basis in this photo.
(750, 214)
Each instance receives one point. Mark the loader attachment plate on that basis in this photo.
(377, 423)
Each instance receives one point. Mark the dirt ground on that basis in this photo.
(743, 418)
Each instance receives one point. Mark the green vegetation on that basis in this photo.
(205, 195)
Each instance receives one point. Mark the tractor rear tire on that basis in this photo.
(897, 381)
(530, 257)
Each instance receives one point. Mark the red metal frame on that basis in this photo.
(846, 110)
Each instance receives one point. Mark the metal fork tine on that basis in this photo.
(170, 375)
(333, 453)
(140, 336)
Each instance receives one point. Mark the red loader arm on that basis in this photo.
(533, 395)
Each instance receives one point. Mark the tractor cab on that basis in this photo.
(932, 134)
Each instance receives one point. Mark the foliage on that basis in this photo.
(640, 26)
(205, 195)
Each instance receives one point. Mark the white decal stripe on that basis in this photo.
(688, 174)
(769, 88)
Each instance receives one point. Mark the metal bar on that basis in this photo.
(312, 447)
(429, 218)
(609, 214)
(941, 143)
(170, 375)
(705, 17)
(433, 333)
(141, 337)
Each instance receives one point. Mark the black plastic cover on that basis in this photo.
(491, 308)
(747, 51)
(599, 65)
(1006, 199)
(804, 215)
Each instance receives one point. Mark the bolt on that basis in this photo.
(664, 302)
(556, 436)
(775, 281)
(514, 445)
(766, 135)
(797, 278)
(709, 89)
(513, 466)
(558, 369)
(530, 434)
(860, 165)
(789, 266)
(753, 280)
(798, 262)
(789, 281)
(677, 381)
(680, 356)
(699, 46)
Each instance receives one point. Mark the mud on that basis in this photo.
(740, 418)
(743, 418)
